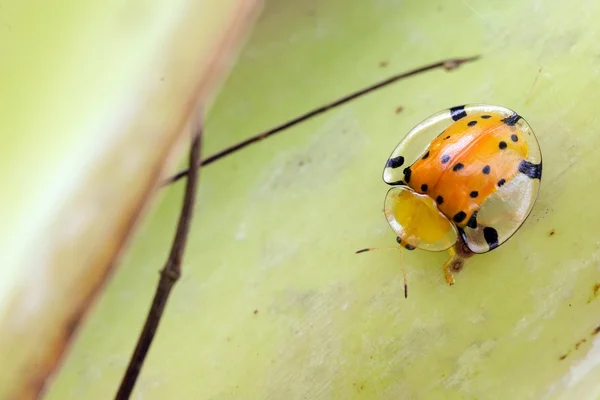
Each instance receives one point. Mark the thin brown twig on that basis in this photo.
(169, 274)
(448, 65)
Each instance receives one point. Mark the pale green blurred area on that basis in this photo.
(273, 302)
(94, 96)
(51, 128)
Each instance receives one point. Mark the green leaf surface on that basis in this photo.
(273, 302)
(94, 96)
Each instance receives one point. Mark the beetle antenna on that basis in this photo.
(401, 263)
(405, 282)
(527, 97)
(375, 248)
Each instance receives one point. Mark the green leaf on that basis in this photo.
(274, 303)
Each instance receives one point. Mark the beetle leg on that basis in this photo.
(454, 264)
(458, 254)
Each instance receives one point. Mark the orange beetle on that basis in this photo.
(465, 180)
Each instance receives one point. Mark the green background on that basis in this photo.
(273, 302)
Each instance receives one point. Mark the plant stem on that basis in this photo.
(169, 274)
(448, 65)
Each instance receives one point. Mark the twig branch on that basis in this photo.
(448, 65)
(170, 273)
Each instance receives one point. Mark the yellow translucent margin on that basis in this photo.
(416, 219)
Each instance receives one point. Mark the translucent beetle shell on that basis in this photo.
(464, 180)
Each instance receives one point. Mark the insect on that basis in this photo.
(464, 180)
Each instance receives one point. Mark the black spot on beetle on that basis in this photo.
(473, 221)
(486, 170)
(445, 158)
(512, 120)
(439, 200)
(501, 182)
(424, 187)
(396, 183)
(486, 116)
(533, 171)
(462, 234)
(458, 112)
(502, 145)
(425, 156)
(457, 167)
(491, 237)
(395, 162)
(407, 174)
(459, 217)
(514, 138)
(472, 123)
(474, 194)
(405, 245)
